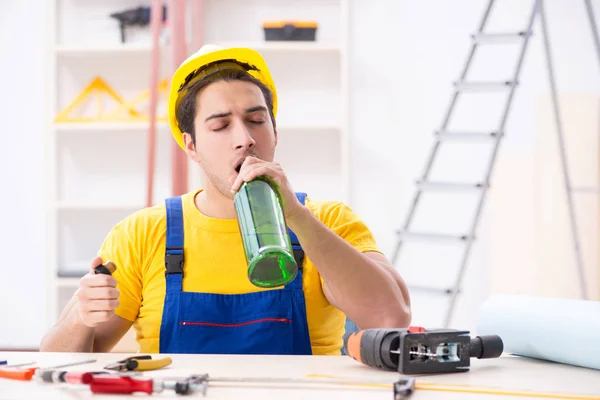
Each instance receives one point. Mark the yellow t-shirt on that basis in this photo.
(215, 262)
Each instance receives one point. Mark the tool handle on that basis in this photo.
(373, 347)
(59, 376)
(489, 346)
(148, 365)
(107, 269)
(78, 378)
(21, 374)
(121, 384)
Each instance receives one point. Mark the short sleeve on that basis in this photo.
(119, 248)
(340, 218)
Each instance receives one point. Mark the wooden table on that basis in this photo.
(506, 373)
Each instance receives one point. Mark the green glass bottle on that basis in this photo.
(264, 234)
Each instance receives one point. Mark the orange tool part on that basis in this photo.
(21, 374)
(26, 374)
(15, 372)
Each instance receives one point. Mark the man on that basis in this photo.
(222, 109)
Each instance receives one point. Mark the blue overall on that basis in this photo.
(265, 322)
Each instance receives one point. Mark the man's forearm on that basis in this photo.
(69, 334)
(366, 290)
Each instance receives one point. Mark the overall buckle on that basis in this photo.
(174, 261)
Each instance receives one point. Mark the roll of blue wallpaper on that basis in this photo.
(560, 330)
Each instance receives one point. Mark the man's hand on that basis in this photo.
(97, 297)
(254, 167)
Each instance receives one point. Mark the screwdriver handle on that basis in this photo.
(106, 269)
(61, 376)
(78, 377)
(21, 374)
(148, 365)
(121, 384)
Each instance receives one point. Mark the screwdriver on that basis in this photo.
(128, 385)
(105, 269)
(62, 376)
(49, 374)
(14, 372)
(25, 374)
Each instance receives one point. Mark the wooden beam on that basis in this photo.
(155, 23)
(178, 53)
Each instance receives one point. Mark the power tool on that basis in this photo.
(135, 16)
(415, 350)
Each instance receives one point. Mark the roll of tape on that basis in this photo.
(560, 330)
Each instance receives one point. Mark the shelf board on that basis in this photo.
(103, 126)
(300, 46)
(67, 206)
(100, 50)
(143, 48)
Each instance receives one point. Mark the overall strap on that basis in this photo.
(174, 248)
(297, 248)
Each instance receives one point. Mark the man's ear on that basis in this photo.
(190, 148)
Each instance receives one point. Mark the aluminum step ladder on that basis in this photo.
(424, 184)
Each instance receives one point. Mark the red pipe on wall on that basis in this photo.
(178, 54)
(155, 22)
(197, 24)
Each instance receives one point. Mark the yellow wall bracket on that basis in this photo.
(133, 104)
(98, 88)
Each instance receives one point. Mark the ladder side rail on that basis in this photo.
(563, 155)
(429, 163)
(475, 221)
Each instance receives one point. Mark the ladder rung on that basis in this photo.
(586, 189)
(429, 185)
(437, 290)
(449, 135)
(483, 86)
(432, 236)
(499, 37)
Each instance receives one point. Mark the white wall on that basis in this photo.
(405, 55)
(410, 53)
(22, 236)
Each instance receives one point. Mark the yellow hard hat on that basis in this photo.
(208, 60)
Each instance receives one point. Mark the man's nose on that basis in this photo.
(242, 138)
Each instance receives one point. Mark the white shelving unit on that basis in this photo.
(96, 172)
